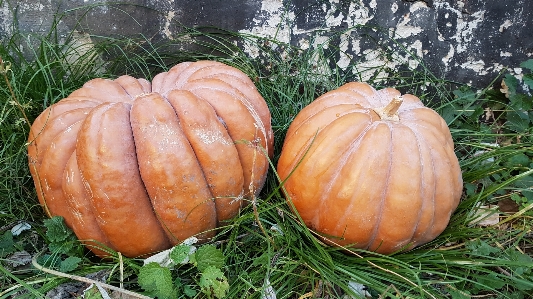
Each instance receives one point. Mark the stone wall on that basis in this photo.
(467, 41)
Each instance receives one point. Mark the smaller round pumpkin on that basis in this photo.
(139, 166)
(371, 169)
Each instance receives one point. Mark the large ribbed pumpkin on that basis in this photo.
(371, 169)
(139, 166)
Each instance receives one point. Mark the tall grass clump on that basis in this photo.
(266, 252)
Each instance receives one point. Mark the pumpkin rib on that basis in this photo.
(344, 110)
(323, 102)
(42, 145)
(192, 72)
(85, 225)
(377, 242)
(133, 86)
(214, 149)
(103, 90)
(422, 142)
(227, 105)
(422, 145)
(437, 155)
(221, 86)
(179, 75)
(356, 172)
(239, 80)
(165, 82)
(317, 121)
(320, 145)
(366, 92)
(422, 209)
(170, 171)
(55, 126)
(249, 91)
(342, 157)
(41, 122)
(113, 181)
(451, 183)
(51, 170)
(383, 197)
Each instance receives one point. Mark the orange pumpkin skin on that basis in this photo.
(380, 184)
(139, 166)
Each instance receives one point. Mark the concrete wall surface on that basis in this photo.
(468, 41)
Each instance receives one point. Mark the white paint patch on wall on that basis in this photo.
(404, 30)
(321, 41)
(166, 27)
(505, 54)
(477, 66)
(466, 30)
(466, 24)
(505, 25)
(418, 5)
(373, 65)
(358, 14)
(345, 58)
(5, 19)
(274, 19)
(394, 7)
(331, 20)
(446, 59)
(416, 48)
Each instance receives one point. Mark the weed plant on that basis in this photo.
(491, 130)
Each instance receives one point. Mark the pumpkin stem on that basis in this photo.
(390, 112)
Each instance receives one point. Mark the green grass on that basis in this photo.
(465, 260)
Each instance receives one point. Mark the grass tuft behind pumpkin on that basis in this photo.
(495, 154)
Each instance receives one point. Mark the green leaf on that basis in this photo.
(470, 188)
(521, 101)
(518, 256)
(491, 280)
(465, 96)
(48, 261)
(456, 294)
(208, 256)
(92, 293)
(448, 113)
(57, 231)
(213, 282)
(61, 237)
(517, 198)
(7, 246)
(523, 285)
(69, 264)
(61, 247)
(518, 121)
(180, 254)
(512, 83)
(528, 64)
(157, 281)
(519, 159)
(528, 80)
(188, 291)
(482, 248)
